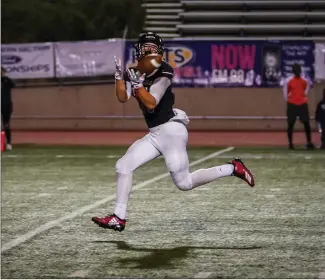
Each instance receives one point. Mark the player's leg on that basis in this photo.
(6, 116)
(174, 151)
(304, 118)
(138, 154)
(323, 136)
(291, 120)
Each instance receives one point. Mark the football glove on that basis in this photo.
(118, 71)
(135, 80)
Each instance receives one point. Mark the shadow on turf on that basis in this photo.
(162, 258)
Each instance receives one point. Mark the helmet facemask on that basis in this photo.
(148, 44)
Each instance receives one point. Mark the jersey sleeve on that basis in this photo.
(159, 87)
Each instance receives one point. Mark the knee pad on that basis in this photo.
(182, 180)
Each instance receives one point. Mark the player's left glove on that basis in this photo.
(135, 80)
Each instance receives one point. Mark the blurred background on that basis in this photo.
(230, 59)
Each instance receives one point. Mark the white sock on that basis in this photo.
(123, 191)
(120, 210)
(204, 176)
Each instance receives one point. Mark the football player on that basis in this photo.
(167, 134)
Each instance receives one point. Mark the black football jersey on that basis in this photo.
(163, 112)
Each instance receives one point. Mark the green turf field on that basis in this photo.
(221, 230)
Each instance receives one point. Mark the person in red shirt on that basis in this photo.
(295, 90)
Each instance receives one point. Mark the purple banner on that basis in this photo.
(233, 63)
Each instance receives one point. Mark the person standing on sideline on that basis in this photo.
(295, 90)
(320, 119)
(6, 105)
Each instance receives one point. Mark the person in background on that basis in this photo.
(320, 119)
(6, 105)
(295, 90)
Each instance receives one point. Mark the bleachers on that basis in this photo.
(236, 18)
(163, 17)
(262, 18)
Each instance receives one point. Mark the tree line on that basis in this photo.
(25, 21)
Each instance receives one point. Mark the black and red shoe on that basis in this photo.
(242, 172)
(110, 221)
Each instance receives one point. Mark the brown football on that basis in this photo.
(149, 63)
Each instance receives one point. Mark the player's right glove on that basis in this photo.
(135, 80)
(118, 71)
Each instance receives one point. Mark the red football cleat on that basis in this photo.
(242, 172)
(110, 221)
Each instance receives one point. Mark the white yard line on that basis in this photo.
(79, 274)
(44, 195)
(27, 236)
(276, 156)
(203, 274)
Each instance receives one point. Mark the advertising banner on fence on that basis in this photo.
(320, 61)
(27, 61)
(233, 63)
(89, 58)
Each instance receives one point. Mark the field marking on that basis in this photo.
(44, 195)
(25, 237)
(79, 274)
(203, 188)
(203, 274)
(277, 156)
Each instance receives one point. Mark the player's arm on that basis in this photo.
(123, 89)
(122, 85)
(157, 90)
(285, 89)
(307, 87)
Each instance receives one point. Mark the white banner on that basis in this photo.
(320, 61)
(27, 61)
(89, 58)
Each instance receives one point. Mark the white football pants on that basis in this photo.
(170, 141)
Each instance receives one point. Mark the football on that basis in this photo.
(149, 63)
